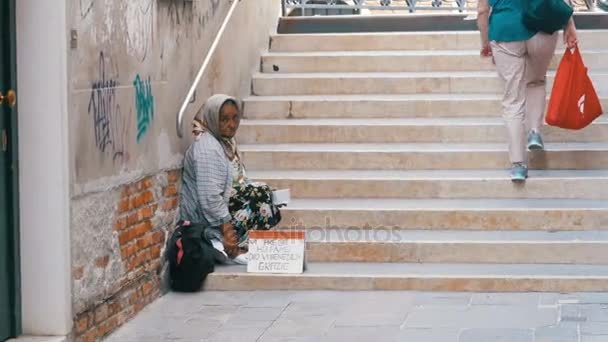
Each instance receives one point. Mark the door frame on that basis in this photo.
(13, 177)
(42, 36)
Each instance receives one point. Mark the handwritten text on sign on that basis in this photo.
(276, 252)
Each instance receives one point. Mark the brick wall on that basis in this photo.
(141, 236)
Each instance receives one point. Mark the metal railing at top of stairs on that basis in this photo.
(192, 91)
(316, 7)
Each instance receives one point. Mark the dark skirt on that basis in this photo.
(251, 208)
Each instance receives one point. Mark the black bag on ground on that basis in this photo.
(191, 257)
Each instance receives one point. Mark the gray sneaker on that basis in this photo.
(535, 142)
(519, 172)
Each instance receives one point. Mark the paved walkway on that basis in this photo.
(371, 316)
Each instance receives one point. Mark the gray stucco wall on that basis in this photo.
(131, 64)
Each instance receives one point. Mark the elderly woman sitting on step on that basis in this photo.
(215, 190)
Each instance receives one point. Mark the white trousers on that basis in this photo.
(523, 67)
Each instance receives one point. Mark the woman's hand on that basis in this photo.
(230, 240)
(483, 15)
(570, 36)
(486, 49)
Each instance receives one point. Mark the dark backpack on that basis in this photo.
(191, 257)
(546, 15)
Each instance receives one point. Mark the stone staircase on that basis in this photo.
(394, 150)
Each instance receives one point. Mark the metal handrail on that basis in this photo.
(201, 71)
(407, 5)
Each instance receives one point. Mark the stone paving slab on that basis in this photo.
(497, 335)
(267, 316)
(524, 299)
(556, 334)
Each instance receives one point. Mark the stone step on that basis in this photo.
(375, 106)
(385, 41)
(399, 61)
(383, 245)
(460, 82)
(418, 156)
(447, 130)
(446, 214)
(419, 277)
(566, 184)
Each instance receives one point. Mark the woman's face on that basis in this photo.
(229, 120)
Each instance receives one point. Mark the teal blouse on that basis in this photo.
(506, 21)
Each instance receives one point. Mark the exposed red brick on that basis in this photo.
(139, 306)
(141, 244)
(134, 232)
(142, 199)
(143, 228)
(102, 262)
(144, 184)
(133, 219)
(133, 298)
(170, 190)
(125, 315)
(148, 287)
(135, 202)
(91, 336)
(108, 326)
(128, 251)
(139, 259)
(124, 205)
(154, 266)
(126, 236)
(155, 293)
(170, 204)
(145, 256)
(147, 197)
(102, 329)
(159, 237)
(133, 263)
(78, 273)
(115, 307)
(124, 295)
(82, 325)
(173, 176)
(120, 224)
(146, 212)
(137, 273)
(101, 313)
(126, 191)
(155, 251)
(145, 241)
(148, 256)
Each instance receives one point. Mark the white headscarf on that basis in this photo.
(208, 120)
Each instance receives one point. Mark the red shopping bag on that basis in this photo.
(574, 103)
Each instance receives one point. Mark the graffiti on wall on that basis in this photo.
(140, 23)
(108, 126)
(144, 104)
(103, 106)
(179, 11)
(124, 47)
(176, 20)
(85, 7)
(206, 17)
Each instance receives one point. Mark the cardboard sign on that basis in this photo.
(282, 196)
(276, 252)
